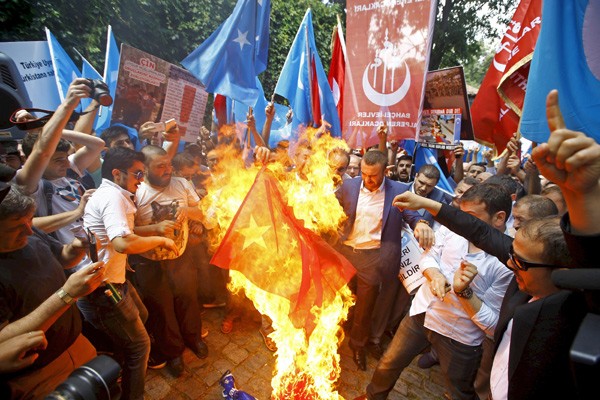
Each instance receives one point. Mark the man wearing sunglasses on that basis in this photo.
(109, 215)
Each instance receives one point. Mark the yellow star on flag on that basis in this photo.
(253, 234)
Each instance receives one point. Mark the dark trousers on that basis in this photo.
(458, 362)
(367, 283)
(169, 290)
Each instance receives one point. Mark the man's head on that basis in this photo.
(461, 188)
(158, 166)
(532, 206)
(212, 159)
(508, 183)
(12, 155)
(59, 162)
(338, 161)
(353, 166)
(403, 167)
(185, 166)
(372, 169)
(554, 193)
(426, 179)
(539, 241)
(125, 167)
(476, 169)
(116, 136)
(16, 216)
(302, 156)
(484, 176)
(488, 202)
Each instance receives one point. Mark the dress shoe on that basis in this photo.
(154, 363)
(175, 366)
(200, 349)
(360, 359)
(375, 350)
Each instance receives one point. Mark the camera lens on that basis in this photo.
(94, 380)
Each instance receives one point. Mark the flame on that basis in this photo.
(306, 367)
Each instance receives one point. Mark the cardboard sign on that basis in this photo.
(410, 273)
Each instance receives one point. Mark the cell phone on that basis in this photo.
(165, 126)
(92, 249)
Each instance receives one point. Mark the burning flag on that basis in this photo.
(314, 272)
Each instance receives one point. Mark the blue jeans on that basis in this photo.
(458, 362)
(123, 323)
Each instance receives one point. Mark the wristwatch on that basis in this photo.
(66, 297)
(424, 221)
(466, 293)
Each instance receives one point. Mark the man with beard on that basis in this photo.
(403, 167)
(168, 280)
(424, 186)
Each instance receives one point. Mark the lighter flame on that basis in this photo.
(306, 367)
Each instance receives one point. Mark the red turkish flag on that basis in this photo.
(274, 251)
(337, 71)
(497, 107)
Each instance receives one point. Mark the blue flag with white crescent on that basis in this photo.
(111, 73)
(567, 58)
(299, 78)
(229, 60)
(65, 70)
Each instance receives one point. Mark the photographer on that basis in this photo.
(31, 259)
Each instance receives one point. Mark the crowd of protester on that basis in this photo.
(103, 247)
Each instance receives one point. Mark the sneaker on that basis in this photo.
(204, 333)
(214, 305)
(156, 364)
(427, 361)
(271, 346)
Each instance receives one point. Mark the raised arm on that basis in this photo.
(33, 169)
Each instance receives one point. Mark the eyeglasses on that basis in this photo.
(523, 265)
(139, 175)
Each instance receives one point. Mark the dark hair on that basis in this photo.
(470, 181)
(404, 157)
(494, 196)
(479, 164)
(32, 137)
(151, 150)
(374, 157)
(508, 183)
(183, 160)
(547, 231)
(111, 134)
(430, 172)
(121, 158)
(538, 206)
(16, 204)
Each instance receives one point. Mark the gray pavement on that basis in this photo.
(244, 353)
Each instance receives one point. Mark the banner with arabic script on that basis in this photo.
(388, 46)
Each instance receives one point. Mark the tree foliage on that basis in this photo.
(171, 29)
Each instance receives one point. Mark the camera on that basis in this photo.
(100, 92)
(95, 380)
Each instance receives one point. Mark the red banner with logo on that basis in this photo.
(497, 107)
(388, 46)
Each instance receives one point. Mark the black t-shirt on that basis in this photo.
(28, 277)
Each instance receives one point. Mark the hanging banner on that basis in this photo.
(151, 89)
(388, 44)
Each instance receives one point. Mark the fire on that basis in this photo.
(307, 367)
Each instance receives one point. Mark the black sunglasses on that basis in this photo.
(137, 175)
(523, 265)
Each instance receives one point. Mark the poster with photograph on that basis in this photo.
(152, 89)
(446, 115)
(441, 125)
